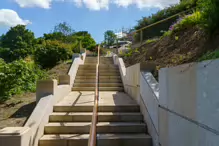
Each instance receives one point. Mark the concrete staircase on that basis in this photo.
(109, 76)
(120, 122)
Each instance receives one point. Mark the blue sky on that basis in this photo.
(94, 16)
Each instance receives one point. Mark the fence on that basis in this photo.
(156, 29)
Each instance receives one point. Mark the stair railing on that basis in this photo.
(93, 129)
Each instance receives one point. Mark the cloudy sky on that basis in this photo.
(95, 16)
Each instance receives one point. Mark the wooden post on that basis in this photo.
(141, 39)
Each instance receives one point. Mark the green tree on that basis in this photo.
(109, 37)
(50, 52)
(20, 42)
(64, 28)
(86, 40)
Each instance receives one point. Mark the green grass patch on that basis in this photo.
(210, 56)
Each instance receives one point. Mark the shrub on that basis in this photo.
(188, 21)
(167, 33)
(18, 77)
(51, 52)
(210, 11)
(151, 41)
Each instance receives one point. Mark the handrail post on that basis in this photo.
(93, 129)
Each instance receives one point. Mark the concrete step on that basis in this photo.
(102, 117)
(100, 81)
(102, 140)
(100, 85)
(100, 74)
(101, 58)
(102, 127)
(101, 62)
(101, 108)
(100, 77)
(101, 66)
(100, 71)
(120, 89)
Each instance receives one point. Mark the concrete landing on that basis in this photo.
(105, 98)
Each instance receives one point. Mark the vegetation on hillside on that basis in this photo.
(157, 30)
(193, 37)
(25, 59)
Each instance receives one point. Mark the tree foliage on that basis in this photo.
(51, 52)
(19, 74)
(63, 28)
(20, 42)
(86, 39)
(209, 10)
(109, 37)
(17, 77)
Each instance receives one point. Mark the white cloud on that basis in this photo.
(100, 4)
(93, 4)
(34, 3)
(10, 18)
(104, 4)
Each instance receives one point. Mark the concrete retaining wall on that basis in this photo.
(189, 113)
(138, 84)
(183, 109)
(149, 95)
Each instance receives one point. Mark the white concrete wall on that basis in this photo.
(130, 77)
(189, 97)
(149, 94)
(143, 88)
(184, 109)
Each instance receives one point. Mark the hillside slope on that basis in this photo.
(187, 45)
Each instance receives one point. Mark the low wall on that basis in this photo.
(183, 108)
(138, 86)
(47, 95)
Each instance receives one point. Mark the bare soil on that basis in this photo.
(60, 69)
(15, 111)
(181, 47)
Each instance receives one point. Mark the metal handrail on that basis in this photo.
(93, 129)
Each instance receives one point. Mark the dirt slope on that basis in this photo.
(181, 47)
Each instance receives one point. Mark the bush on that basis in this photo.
(210, 11)
(51, 52)
(18, 77)
(188, 21)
